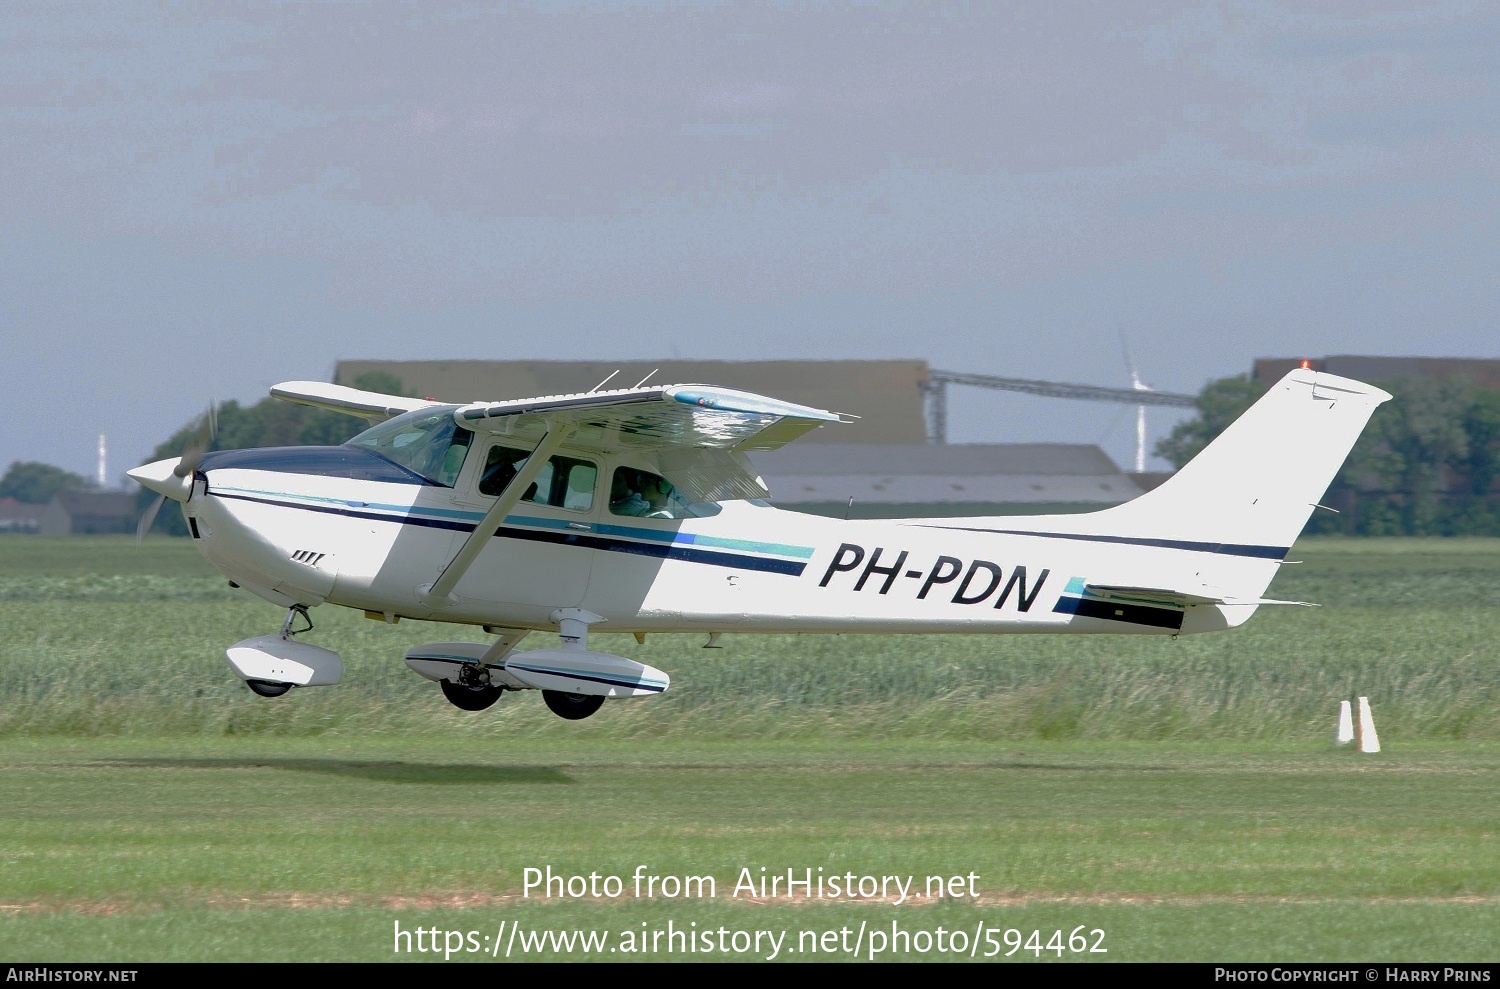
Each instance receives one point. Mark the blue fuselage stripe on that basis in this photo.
(1226, 549)
(574, 675)
(688, 554)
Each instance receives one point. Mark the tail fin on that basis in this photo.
(1258, 482)
(1214, 534)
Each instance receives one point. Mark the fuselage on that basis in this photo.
(332, 528)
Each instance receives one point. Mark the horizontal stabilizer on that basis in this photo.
(1175, 598)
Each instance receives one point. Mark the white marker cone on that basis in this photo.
(1345, 733)
(1368, 740)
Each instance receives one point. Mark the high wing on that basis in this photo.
(669, 417)
(698, 434)
(351, 401)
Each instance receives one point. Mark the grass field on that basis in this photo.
(1182, 796)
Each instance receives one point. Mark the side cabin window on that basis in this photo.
(645, 495)
(563, 482)
(426, 442)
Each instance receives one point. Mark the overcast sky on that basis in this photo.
(200, 200)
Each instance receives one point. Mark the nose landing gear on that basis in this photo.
(271, 665)
(272, 688)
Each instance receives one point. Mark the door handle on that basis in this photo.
(584, 526)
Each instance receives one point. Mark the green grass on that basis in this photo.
(312, 849)
(108, 638)
(1181, 795)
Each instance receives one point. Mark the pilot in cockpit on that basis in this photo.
(640, 493)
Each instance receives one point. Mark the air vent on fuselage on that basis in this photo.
(308, 556)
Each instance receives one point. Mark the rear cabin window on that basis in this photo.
(563, 482)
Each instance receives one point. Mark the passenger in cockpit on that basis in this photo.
(640, 493)
(625, 496)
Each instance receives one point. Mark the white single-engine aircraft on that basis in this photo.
(637, 510)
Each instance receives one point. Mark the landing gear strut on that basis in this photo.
(292, 614)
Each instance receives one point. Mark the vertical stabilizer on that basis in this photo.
(1219, 528)
(1259, 480)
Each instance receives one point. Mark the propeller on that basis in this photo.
(197, 445)
(203, 438)
(148, 518)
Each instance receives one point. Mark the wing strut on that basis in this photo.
(440, 592)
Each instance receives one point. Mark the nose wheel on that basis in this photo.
(289, 628)
(266, 688)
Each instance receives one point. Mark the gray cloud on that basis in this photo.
(268, 188)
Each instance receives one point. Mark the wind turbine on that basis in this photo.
(1140, 410)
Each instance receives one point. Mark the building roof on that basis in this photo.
(19, 515)
(886, 395)
(115, 504)
(995, 473)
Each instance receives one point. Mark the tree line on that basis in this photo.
(1426, 465)
(269, 422)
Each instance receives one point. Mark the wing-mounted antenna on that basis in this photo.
(608, 378)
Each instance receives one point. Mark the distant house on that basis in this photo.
(917, 480)
(18, 516)
(78, 512)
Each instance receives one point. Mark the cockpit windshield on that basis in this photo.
(426, 441)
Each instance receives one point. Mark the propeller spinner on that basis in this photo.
(172, 478)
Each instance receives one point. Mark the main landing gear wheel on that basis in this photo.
(468, 698)
(266, 688)
(574, 707)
